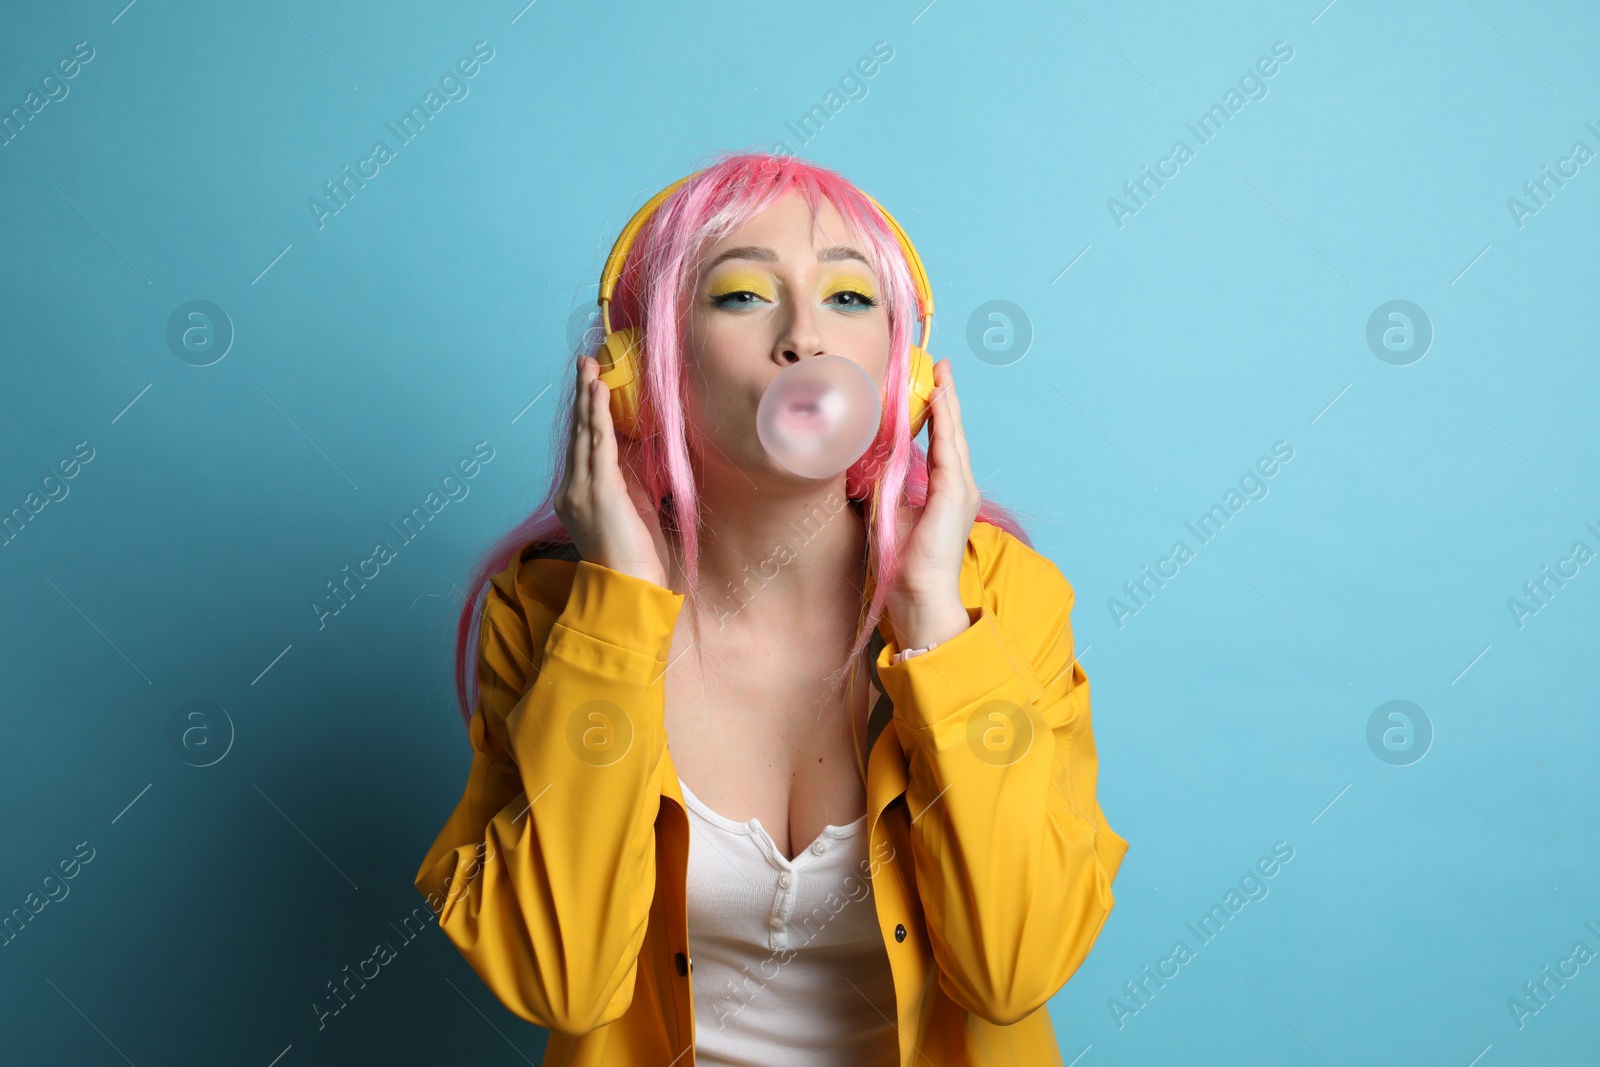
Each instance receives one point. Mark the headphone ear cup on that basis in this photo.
(921, 388)
(618, 356)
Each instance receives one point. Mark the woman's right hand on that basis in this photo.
(602, 500)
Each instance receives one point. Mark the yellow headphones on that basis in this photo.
(618, 354)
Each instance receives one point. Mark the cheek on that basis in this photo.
(699, 401)
(880, 364)
(710, 362)
(717, 343)
(875, 358)
(715, 397)
(877, 363)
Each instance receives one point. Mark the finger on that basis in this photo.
(630, 460)
(963, 446)
(580, 430)
(956, 453)
(955, 399)
(604, 435)
(940, 443)
(958, 432)
(952, 438)
(572, 427)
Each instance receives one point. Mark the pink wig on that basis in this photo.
(655, 290)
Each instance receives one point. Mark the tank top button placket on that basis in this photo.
(782, 905)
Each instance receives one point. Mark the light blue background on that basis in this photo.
(1229, 313)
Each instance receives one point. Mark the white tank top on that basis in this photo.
(790, 968)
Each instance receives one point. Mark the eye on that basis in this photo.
(859, 299)
(737, 298)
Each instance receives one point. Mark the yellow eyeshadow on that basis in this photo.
(850, 280)
(756, 283)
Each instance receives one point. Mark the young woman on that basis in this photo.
(858, 824)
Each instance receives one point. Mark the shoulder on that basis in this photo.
(1030, 599)
(521, 604)
(539, 576)
(524, 599)
(1017, 579)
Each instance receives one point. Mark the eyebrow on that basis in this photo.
(761, 254)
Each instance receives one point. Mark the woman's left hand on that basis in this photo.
(926, 600)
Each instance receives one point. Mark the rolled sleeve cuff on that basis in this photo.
(956, 675)
(616, 623)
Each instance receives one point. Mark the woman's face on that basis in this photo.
(767, 298)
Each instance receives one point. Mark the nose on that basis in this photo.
(801, 335)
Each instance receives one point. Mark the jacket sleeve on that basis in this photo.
(543, 875)
(1014, 859)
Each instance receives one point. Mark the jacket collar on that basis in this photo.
(886, 762)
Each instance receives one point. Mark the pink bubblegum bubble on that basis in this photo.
(819, 416)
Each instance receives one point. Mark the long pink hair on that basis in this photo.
(655, 289)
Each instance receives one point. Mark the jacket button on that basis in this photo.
(681, 962)
(899, 932)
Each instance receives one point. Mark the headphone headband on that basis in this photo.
(619, 253)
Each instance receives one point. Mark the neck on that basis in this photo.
(778, 557)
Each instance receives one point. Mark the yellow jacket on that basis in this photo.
(992, 864)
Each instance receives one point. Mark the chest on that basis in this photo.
(757, 732)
